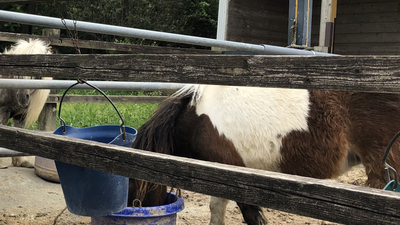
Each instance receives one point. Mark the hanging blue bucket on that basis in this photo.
(89, 192)
(157, 215)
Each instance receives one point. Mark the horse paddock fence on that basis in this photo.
(47, 119)
(310, 197)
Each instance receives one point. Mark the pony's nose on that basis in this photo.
(23, 98)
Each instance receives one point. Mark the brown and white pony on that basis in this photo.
(309, 133)
(23, 105)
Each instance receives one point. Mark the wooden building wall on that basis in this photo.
(316, 16)
(258, 21)
(366, 27)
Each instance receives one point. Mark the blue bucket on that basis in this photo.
(89, 192)
(157, 215)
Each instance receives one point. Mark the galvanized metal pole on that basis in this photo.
(147, 34)
(300, 11)
(11, 153)
(291, 21)
(305, 21)
(104, 85)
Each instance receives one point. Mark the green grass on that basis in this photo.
(91, 114)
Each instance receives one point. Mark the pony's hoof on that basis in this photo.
(22, 163)
(25, 164)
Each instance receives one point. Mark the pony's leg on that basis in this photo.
(218, 209)
(4, 116)
(206, 143)
(375, 119)
(249, 215)
(20, 161)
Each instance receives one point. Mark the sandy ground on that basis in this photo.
(27, 199)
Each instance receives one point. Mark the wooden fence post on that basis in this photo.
(47, 119)
(46, 168)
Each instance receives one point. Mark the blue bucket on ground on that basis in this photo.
(157, 215)
(89, 192)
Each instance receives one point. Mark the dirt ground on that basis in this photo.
(27, 199)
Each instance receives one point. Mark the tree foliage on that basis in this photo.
(190, 17)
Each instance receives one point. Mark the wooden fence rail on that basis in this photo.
(103, 45)
(344, 73)
(320, 199)
(304, 196)
(23, 1)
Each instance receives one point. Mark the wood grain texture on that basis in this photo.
(304, 196)
(368, 17)
(347, 2)
(258, 21)
(344, 73)
(102, 45)
(367, 48)
(24, 1)
(47, 118)
(370, 38)
(367, 7)
(365, 28)
(373, 24)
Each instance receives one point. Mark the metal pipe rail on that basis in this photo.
(104, 85)
(11, 153)
(53, 22)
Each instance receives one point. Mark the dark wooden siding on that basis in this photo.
(316, 18)
(258, 21)
(366, 27)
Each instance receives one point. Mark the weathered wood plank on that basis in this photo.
(67, 42)
(348, 2)
(368, 7)
(368, 48)
(305, 196)
(345, 73)
(252, 21)
(101, 99)
(24, 1)
(368, 17)
(355, 28)
(371, 38)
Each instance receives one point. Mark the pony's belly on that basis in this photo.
(264, 159)
(255, 119)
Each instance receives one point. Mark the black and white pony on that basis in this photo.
(309, 133)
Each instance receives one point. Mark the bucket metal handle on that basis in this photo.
(389, 168)
(81, 81)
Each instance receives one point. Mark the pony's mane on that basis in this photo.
(38, 97)
(158, 133)
(195, 90)
(32, 46)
